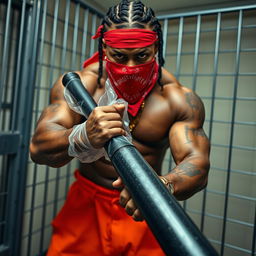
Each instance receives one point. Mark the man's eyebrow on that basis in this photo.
(116, 51)
(143, 51)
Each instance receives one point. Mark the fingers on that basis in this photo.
(104, 123)
(117, 183)
(124, 197)
(130, 206)
(119, 108)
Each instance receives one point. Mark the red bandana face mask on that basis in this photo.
(132, 83)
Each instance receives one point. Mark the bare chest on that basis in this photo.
(153, 125)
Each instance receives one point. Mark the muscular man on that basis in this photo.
(99, 216)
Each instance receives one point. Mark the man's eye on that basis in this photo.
(142, 56)
(119, 56)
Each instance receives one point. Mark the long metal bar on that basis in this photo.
(239, 32)
(230, 98)
(52, 60)
(209, 30)
(230, 246)
(206, 12)
(219, 74)
(37, 96)
(65, 37)
(165, 33)
(215, 70)
(174, 230)
(165, 38)
(85, 30)
(254, 235)
(92, 45)
(234, 171)
(237, 196)
(6, 45)
(197, 44)
(76, 24)
(54, 35)
(18, 65)
(219, 217)
(195, 65)
(18, 165)
(237, 122)
(234, 147)
(179, 50)
(212, 52)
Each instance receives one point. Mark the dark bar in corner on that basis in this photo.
(172, 227)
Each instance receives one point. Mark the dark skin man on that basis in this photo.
(172, 117)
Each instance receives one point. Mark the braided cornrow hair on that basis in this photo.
(132, 15)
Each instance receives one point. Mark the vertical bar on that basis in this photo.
(215, 70)
(92, 46)
(18, 65)
(36, 111)
(74, 49)
(239, 31)
(53, 43)
(54, 35)
(198, 27)
(180, 38)
(56, 193)
(195, 70)
(178, 61)
(6, 44)
(85, 32)
(65, 37)
(18, 164)
(165, 34)
(254, 235)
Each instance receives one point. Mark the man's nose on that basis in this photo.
(130, 63)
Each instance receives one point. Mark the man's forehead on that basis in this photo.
(129, 26)
(133, 50)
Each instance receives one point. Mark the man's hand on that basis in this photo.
(127, 202)
(104, 123)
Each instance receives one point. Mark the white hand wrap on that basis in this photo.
(79, 144)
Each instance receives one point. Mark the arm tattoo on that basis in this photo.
(57, 93)
(195, 131)
(195, 104)
(186, 169)
(50, 108)
(192, 100)
(54, 107)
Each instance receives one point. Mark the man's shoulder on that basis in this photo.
(173, 90)
(89, 77)
(182, 100)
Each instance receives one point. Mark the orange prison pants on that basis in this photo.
(93, 223)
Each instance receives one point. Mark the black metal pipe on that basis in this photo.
(172, 227)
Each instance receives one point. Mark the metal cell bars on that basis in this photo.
(11, 27)
(65, 42)
(186, 42)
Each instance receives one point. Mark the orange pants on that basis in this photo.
(93, 223)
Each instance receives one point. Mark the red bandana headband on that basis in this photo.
(128, 38)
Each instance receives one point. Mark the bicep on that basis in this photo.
(58, 112)
(188, 140)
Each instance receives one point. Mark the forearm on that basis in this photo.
(189, 176)
(49, 145)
